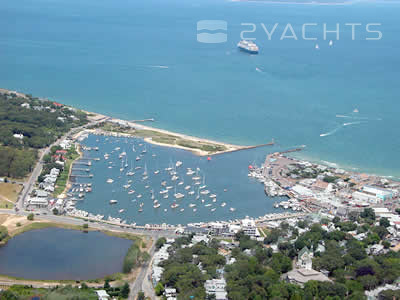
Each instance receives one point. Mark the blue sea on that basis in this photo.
(140, 59)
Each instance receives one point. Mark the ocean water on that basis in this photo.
(62, 254)
(139, 59)
(225, 176)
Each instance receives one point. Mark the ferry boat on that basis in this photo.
(248, 46)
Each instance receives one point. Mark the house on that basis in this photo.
(216, 287)
(19, 136)
(200, 238)
(301, 276)
(25, 105)
(65, 144)
(170, 293)
(102, 295)
(38, 202)
(304, 259)
(41, 194)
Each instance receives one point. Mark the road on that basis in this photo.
(138, 285)
(168, 233)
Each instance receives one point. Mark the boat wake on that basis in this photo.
(330, 132)
(159, 67)
(352, 123)
(259, 70)
(340, 127)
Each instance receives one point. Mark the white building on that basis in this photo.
(18, 136)
(302, 192)
(170, 293)
(248, 227)
(304, 259)
(38, 202)
(102, 295)
(200, 238)
(364, 197)
(65, 144)
(380, 193)
(216, 287)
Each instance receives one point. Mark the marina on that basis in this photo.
(174, 186)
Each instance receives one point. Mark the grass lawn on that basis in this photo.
(62, 180)
(10, 190)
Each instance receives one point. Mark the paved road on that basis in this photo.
(137, 285)
(168, 233)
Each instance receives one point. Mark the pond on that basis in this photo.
(61, 254)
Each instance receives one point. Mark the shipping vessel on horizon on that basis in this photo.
(248, 46)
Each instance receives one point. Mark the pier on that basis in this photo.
(245, 148)
(80, 169)
(83, 163)
(82, 176)
(143, 120)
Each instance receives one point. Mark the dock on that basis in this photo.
(245, 148)
(80, 169)
(143, 120)
(82, 176)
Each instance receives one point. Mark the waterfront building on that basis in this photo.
(248, 227)
(38, 202)
(302, 192)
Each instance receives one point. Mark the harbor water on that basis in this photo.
(225, 176)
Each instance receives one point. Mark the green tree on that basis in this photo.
(30, 217)
(140, 296)
(160, 242)
(368, 213)
(106, 285)
(159, 289)
(384, 222)
(125, 290)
